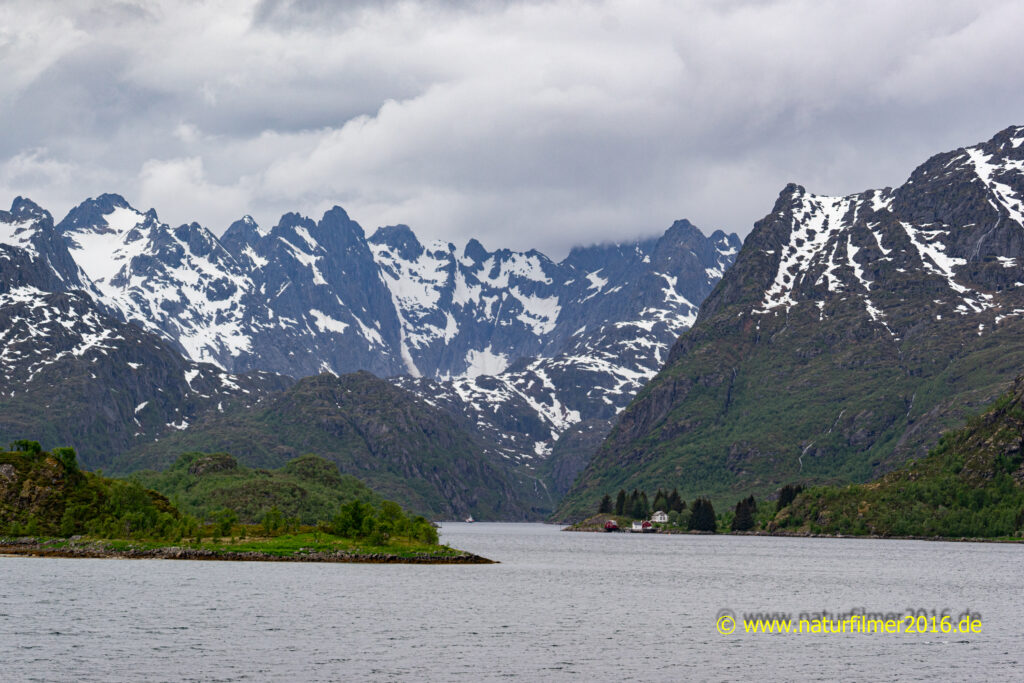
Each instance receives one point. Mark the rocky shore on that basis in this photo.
(95, 549)
(780, 533)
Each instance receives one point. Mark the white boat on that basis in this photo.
(470, 520)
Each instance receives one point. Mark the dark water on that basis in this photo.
(560, 606)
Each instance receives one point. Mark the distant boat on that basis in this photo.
(470, 520)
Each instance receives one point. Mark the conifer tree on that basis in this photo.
(744, 518)
(788, 493)
(702, 518)
(606, 504)
(620, 503)
(636, 506)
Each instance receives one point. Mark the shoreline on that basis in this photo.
(95, 550)
(783, 534)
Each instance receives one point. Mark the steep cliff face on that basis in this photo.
(29, 228)
(850, 332)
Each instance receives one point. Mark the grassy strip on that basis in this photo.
(306, 547)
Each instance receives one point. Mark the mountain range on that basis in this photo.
(168, 327)
(849, 334)
(835, 344)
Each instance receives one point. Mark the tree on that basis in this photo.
(636, 505)
(787, 495)
(661, 501)
(606, 504)
(744, 518)
(225, 519)
(67, 458)
(620, 503)
(702, 516)
(354, 519)
(26, 446)
(272, 520)
(675, 502)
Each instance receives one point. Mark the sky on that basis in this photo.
(525, 124)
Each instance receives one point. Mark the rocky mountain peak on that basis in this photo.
(30, 227)
(23, 208)
(400, 239)
(339, 231)
(572, 340)
(683, 230)
(105, 213)
(957, 224)
(1008, 142)
(475, 251)
(292, 220)
(23, 224)
(243, 233)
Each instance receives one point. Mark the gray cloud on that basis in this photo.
(526, 124)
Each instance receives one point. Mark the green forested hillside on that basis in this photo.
(403, 448)
(45, 493)
(307, 488)
(971, 484)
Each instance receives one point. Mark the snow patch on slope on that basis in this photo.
(1002, 192)
(816, 220)
(19, 234)
(326, 323)
(484, 362)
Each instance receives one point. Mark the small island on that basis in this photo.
(51, 508)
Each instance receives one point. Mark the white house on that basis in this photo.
(659, 517)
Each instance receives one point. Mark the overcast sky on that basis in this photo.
(525, 124)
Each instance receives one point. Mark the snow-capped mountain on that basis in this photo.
(507, 338)
(849, 334)
(29, 227)
(309, 296)
(71, 374)
(955, 229)
(622, 308)
(479, 312)
(180, 283)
